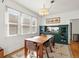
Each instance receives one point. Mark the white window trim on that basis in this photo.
(19, 24)
(33, 32)
(10, 23)
(29, 32)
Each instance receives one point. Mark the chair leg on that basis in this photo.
(47, 53)
(50, 48)
(53, 44)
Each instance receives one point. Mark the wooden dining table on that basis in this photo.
(39, 40)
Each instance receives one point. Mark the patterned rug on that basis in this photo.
(60, 51)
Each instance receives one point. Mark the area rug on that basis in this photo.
(60, 51)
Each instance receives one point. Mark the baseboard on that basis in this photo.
(14, 51)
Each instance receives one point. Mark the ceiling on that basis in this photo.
(59, 6)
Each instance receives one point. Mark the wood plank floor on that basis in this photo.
(75, 49)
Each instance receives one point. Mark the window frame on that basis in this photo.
(8, 12)
(35, 19)
(25, 24)
(19, 23)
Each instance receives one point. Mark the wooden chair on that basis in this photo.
(49, 44)
(52, 41)
(31, 46)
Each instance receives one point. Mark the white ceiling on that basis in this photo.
(58, 6)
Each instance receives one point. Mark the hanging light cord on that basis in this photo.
(52, 4)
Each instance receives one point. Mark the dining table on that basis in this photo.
(39, 40)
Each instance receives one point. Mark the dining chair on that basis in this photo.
(31, 46)
(49, 44)
(53, 41)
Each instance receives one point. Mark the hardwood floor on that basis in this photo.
(14, 52)
(75, 49)
(60, 51)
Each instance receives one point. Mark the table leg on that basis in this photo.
(40, 51)
(37, 50)
(26, 50)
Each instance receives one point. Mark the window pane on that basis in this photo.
(26, 19)
(34, 21)
(34, 29)
(13, 29)
(13, 15)
(26, 29)
(13, 18)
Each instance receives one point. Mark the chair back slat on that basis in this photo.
(30, 45)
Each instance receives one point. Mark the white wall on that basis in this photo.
(9, 44)
(75, 27)
(64, 18)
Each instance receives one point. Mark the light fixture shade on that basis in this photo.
(43, 11)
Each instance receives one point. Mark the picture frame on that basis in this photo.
(53, 20)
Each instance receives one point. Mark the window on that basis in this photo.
(13, 17)
(18, 23)
(34, 25)
(25, 24)
(28, 24)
